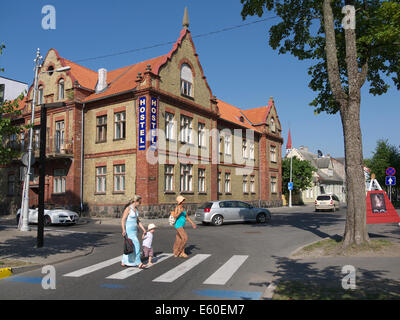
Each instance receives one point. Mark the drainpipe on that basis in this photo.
(82, 154)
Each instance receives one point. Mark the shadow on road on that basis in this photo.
(304, 280)
(54, 243)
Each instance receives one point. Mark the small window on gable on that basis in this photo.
(186, 80)
(273, 125)
(61, 89)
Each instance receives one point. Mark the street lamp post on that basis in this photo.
(290, 190)
(25, 194)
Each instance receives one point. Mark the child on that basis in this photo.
(147, 242)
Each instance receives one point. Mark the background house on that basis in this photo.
(329, 178)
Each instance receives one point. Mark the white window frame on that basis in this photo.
(274, 182)
(119, 177)
(186, 80)
(101, 179)
(186, 178)
(228, 145)
(244, 149)
(227, 182)
(201, 134)
(273, 153)
(120, 125)
(186, 129)
(251, 150)
(202, 180)
(169, 126)
(169, 178)
(59, 181)
(252, 184)
(245, 184)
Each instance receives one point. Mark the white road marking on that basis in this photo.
(93, 268)
(180, 270)
(223, 274)
(131, 271)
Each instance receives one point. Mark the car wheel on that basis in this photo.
(261, 218)
(47, 220)
(217, 220)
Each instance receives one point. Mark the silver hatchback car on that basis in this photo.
(218, 212)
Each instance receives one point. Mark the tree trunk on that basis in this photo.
(356, 227)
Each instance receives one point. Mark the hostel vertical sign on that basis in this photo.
(142, 123)
(153, 124)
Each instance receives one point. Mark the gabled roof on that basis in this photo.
(123, 79)
(233, 114)
(86, 77)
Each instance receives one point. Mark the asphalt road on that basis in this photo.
(234, 261)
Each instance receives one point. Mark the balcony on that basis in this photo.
(55, 148)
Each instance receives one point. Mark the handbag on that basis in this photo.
(128, 245)
(172, 219)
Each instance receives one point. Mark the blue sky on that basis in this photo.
(240, 67)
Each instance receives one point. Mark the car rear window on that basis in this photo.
(206, 205)
(322, 198)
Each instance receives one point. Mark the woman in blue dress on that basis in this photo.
(130, 222)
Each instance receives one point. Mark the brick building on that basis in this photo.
(155, 129)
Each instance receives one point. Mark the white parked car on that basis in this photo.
(327, 202)
(56, 215)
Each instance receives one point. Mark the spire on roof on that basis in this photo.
(289, 142)
(185, 19)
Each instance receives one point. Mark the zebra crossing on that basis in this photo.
(219, 277)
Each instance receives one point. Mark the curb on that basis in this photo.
(300, 248)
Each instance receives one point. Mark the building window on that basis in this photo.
(202, 180)
(11, 185)
(227, 182)
(273, 154)
(101, 174)
(40, 95)
(273, 129)
(120, 125)
(228, 146)
(252, 184)
(244, 149)
(273, 185)
(186, 177)
(186, 129)
(251, 150)
(61, 89)
(201, 135)
(60, 177)
(219, 182)
(101, 132)
(244, 183)
(220, 142)
(169, 178)
(169, 126)
(119, 178)
(59, 143)
(13, 141)
(186, 81)
(36, 138)
(2, 90)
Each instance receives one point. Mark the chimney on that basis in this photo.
(101, 80)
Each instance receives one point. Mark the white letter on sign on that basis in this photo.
(349, 20)
(349, 281)
(49, 20)
(49, 280)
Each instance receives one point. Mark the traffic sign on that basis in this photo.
(390, 181)
(390, 171)
(290, 186)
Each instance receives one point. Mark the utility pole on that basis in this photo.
(290, 190)
(25, 194)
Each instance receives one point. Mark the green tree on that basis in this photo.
(385, 156)
(345, 58)
(302, 174)
(8, 112)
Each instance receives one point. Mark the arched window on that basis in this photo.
(61, 89)
(40, 95)
(186, 80)
(272, 125)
